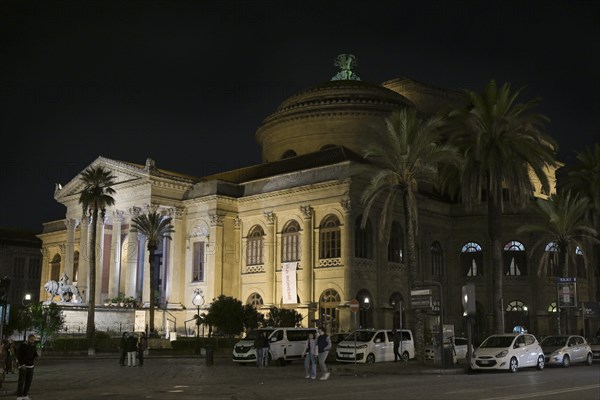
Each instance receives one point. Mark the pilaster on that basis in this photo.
(306, 259)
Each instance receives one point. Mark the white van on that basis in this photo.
(285, 344)
(369, 346)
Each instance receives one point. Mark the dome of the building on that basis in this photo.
(338, 113)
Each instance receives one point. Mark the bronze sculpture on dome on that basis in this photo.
(345, 62)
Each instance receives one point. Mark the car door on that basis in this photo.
(380, 347)
(520, 351)
(531, 349)
(575, 349)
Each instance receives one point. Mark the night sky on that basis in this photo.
(188, 82)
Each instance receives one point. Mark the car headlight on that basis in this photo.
(362, 346)
(503, 353)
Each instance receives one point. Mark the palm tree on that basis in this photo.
(503, 144)
(407, 154)
(561, 220)
(94, 198)
(154, 227)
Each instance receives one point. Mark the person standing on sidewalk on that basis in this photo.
(131, 347)
(396, 337)
(310, 357)
(9, 349)
(264, 344)
(123, 349)
(26, 361)
(323, 346)
(142, 346)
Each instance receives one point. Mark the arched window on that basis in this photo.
(552, 307)
(580, 262)
(516, 305)
(255, 300)
(396, 244)
(288, 154)
(515, 259)
(254, 250)
(363, 240)
(472, 259)
(55, 268)
(552, 268)
(330, 238)
(75, 268)
(290, 242)
(437, 259)
(328, 310)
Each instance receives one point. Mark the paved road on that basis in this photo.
(190, 378)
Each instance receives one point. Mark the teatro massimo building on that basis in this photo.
(286, 232)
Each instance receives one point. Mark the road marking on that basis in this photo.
(548, 392)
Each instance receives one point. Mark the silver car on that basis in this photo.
(566, 349)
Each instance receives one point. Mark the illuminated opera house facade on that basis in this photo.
(286, 232)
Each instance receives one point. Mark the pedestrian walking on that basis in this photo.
(397, 338)
(310, 354)
(26, 360)
(323, 347)
(142, 346)
(131, 347)
(123, 349)
(265, 347)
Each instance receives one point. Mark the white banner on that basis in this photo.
(288, 282)
(140, 320)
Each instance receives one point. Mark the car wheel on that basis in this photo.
(589, 360)
(513, 366)
(405, 356)
(566, 361)
(540, 363)
(370, 359)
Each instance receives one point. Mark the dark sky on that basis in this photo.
(188, 82)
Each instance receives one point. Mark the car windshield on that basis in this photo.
(360, 336)
(498, 341)
(558, 341)
(252, 335)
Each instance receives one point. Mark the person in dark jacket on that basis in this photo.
(323, 345)
(142, 345)
(9, 350)
(131, 347)
(123, 349)
(26, 359)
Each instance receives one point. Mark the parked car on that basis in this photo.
(336, 338)
(566, 349)
(508, 352)
(595, 346)
(460, 349)
(369, 346)
(285, 344)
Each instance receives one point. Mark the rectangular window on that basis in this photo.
(198, 262)
(19, 267)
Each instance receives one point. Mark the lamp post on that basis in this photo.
(198, 300)
(26, 302)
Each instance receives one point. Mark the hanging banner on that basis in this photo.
(288, 282)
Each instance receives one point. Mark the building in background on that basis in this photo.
(21, 262)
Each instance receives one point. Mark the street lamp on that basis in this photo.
(26, 302)
(198, 300)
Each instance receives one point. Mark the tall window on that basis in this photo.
(198, 262)
(552, 268)
(515, 259)
(255, 300)
(55, 268)
(396, 244)
(437, 259)
(363, 242)
(254, 250)
(19, 267)
(75, 277)
(580, 262)
(290, 242)
(472, 259)
(328, 309)
(330, 238)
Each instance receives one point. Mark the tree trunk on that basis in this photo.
(411, 225)
(494, 231)
(90, 332)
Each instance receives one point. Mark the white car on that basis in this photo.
(369, 346)
(460, 349)
(508, 352)
(565, 350)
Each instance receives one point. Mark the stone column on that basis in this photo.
(115, 255)
(45, 273)
(268, 260)
(84, 258)
(216, 232)
(176, 269)
(130, 266)
(99, 258)
(70, 247)
(306, 258)
(347, 236)
(236, 257)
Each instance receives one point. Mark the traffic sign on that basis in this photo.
(354, 305)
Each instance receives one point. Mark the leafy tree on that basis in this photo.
(409, 153)
(251, 317)
(226, 314)
(283, 317)
(154, 227)
(94, 198)
(503, 144)
(46, 320)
